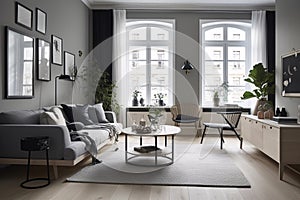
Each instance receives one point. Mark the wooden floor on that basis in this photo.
(261, 172)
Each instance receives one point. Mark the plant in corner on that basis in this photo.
(264, 83)
(106, 94)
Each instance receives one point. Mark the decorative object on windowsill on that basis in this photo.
(187, 66)
(135, 101)
(216, 98)
(160, 97)
(142, 101)
(264, 82)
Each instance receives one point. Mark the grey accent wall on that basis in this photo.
(67, 19)
(187, 87)
(287, 38)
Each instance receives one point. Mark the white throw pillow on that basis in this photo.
(53, 117)
(100, 113)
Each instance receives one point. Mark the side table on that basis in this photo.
(35, 144)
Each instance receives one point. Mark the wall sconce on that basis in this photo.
(187, 66)
(62, 77)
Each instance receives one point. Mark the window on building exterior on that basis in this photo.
(225, 60)
(150, 58)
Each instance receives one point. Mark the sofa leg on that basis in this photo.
(55, 172)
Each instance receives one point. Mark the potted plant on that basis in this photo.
(160, 97)
(216, 98)
(135, 101)
(264, 83)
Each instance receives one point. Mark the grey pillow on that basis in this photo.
(80, 114)
(100, 113)
(92, 114)
(20, 117)
(54, 117)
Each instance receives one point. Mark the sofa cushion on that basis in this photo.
(77, 113)
(92, 114)
(20, 117)
(53, 117)
(100, 113)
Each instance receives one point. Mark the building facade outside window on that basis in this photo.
(225, 60)
(150, 47)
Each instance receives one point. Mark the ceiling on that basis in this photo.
(181, 4)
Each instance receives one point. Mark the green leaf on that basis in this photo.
(248, 95)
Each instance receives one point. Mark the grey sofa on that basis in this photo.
(15, 125)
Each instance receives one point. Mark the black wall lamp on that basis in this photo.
(187, 66)
(61, 77)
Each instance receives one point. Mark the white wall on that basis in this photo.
(287, 38)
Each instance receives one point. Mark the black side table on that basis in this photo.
(35, 144)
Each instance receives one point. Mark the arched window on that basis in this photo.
(225, 60)
(150, 58)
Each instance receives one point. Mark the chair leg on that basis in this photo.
(203, 134)
(222, 140)
(241, 143)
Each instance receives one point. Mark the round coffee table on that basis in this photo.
(164, 153)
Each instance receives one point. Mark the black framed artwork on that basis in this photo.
(291, 74)
(57, 50)
(23, 16)
(69, 65)
(41, 21)
(43, 61)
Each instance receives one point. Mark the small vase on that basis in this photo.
(260, 114)
(216, 102)
(161, 102)
(142, 101)
(135, 102)
(268, 114)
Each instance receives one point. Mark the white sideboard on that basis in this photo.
(279, 141)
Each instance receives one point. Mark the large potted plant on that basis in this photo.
(264, 83)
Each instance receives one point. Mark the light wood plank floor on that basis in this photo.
(261, 171)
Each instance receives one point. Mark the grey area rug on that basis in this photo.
(195, 165)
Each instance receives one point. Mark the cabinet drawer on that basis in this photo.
(271, 141)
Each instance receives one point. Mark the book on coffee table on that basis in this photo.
(146, 149)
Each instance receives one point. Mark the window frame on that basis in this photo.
(205, 25)
(148, 43)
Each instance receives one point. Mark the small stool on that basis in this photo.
(35, 144)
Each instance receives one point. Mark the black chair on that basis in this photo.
(232, 120)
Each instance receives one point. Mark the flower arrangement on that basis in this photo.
(135, 93)
(159, 96)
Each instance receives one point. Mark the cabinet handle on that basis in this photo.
(271, 127)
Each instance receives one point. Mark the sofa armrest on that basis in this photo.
(11, 134)
(111, 116)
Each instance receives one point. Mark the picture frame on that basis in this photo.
(41, 21)
(56, 50)
(69, 65)
(23, 16)
(43, 60)
(291, 74)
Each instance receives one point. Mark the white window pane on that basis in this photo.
(213, 53)
(236, 34)
(236, 53)
(159, 34)
(138, 34)
(214, 34)
(160, 66)
(236, 73)
(157, 90)
(27, 75)
(234, 94)
(160, 53)
(137, 53)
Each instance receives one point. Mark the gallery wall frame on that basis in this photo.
(56, 50)
(41, 21)
(69, 65)
(23, 16)
(19, 75)
(291, 74)
(43, 60)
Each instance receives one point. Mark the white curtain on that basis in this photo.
(119, 61)
(258, 38)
